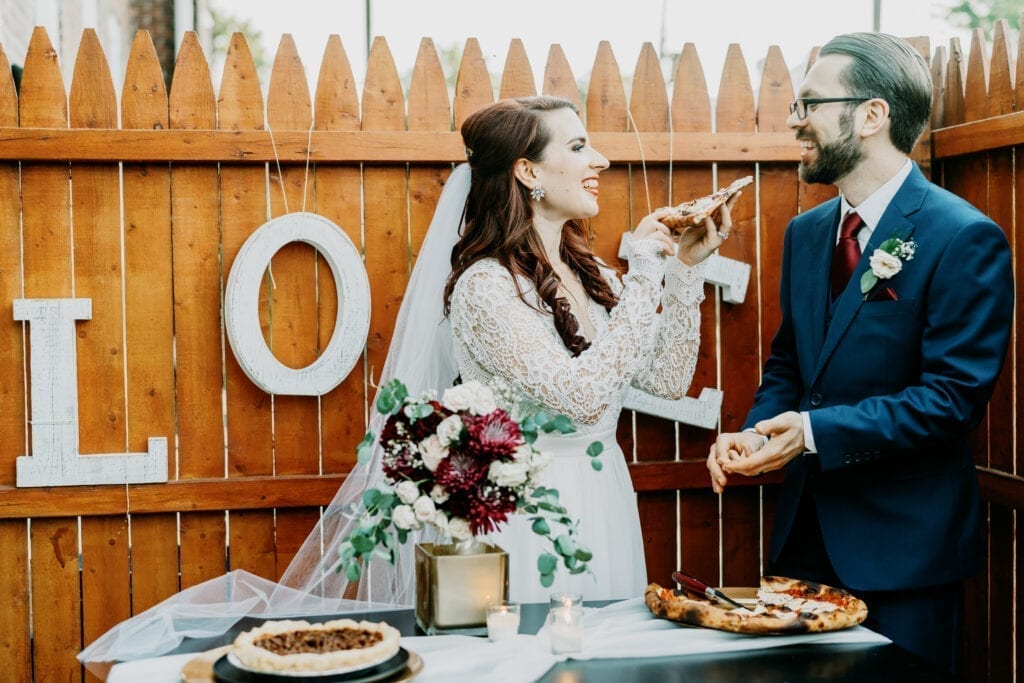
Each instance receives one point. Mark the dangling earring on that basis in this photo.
(537, 193)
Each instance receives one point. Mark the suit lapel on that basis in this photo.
(820, 246)
(894, 222)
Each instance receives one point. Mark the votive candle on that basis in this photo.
(502, 621)
(565, 629)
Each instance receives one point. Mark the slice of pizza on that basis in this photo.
(696, 211)
(783, 606)
(299, 646)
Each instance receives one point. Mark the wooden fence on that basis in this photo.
(142, 206)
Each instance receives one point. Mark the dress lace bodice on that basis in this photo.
(498, 336)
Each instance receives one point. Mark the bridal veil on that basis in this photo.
(421, 355)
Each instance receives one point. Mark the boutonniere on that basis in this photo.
(887, 261)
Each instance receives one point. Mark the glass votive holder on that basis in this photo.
(502, 621)
(565, 629)
(566, 600)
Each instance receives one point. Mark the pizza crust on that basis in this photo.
(784, 606)
(368, 643)
(696, 211)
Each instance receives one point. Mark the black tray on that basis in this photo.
(226, 672)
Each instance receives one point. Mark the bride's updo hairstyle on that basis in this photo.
(499, 213)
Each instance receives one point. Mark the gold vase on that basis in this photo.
(455, 583)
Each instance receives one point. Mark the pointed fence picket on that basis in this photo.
(143, 205)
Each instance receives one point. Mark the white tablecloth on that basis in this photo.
(624, 629)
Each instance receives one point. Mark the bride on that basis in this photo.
(505, 287)
(532, 306)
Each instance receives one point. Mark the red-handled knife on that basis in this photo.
(701, 588)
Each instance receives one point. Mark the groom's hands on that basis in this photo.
(743, 452)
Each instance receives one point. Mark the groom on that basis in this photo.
(877, 376)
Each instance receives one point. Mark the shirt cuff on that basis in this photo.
(809, 446)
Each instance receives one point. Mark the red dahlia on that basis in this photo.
(494, 436)
(459, 473)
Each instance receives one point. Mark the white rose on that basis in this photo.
(450, 429)
(508, 473)
(473, 396)
(523, 453)
(458, 529)
(424, 509)
(438, 494)
(440, 521)
(432, 452)
(404, 518)
(407, 491)
(884, 265)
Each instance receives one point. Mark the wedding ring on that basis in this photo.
(724, 234)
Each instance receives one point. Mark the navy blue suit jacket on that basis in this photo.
(893, 388)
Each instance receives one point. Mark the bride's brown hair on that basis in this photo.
(499, 214)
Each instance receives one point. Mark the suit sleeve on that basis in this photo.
(781, 386)
(968, 321)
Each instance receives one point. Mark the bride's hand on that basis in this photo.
(697, 243)
(650, 227)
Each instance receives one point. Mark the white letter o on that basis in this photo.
(241, 306)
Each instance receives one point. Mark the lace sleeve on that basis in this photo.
(671, 364)
(517, 343)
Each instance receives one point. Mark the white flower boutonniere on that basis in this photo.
(887, 261)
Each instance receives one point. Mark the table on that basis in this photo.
(791, 663)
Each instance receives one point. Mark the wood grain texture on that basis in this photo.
(243, 209)
(741, 362)
(417, 147)
(699, 524)
(197, 277)
(337, 196)
(13, 423)
(517, 76)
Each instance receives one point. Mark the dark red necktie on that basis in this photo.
(846, 254)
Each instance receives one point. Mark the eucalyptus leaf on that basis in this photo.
(386, 403)
(596, 464)
(583, 555)
(595, 449)
(867, 281)
(353, 571)
(540, 526)
(363, 544)
(370, 497)
(565, 545)
(364, 451)
(562, 424)
(547, 579)
(546, 563)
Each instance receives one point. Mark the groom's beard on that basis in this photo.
(835, 159)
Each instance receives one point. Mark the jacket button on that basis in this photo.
(816, 399)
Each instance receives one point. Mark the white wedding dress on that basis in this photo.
(498, 336)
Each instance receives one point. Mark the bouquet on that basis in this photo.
(462, 465)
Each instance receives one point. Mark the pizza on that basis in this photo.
(298, 646)
(696, 211)
(782, 606)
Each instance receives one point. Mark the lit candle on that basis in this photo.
(502, 621)
(565, 628)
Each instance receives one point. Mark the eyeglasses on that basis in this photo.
(799, 106)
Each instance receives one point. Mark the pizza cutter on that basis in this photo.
(701, 588)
